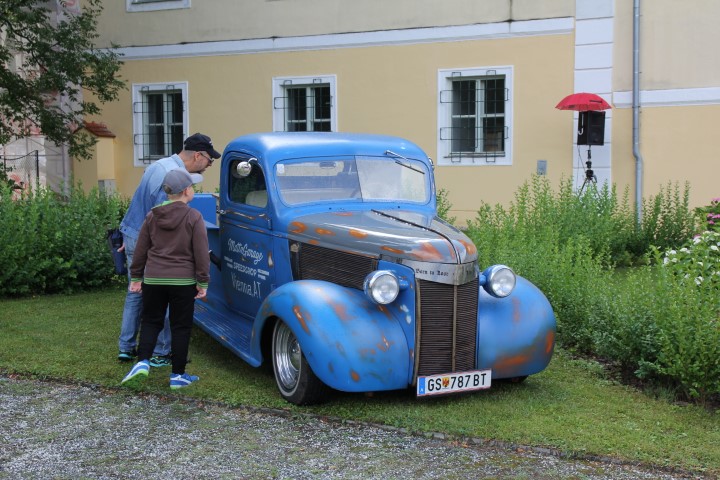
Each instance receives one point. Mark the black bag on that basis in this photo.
(115, 241)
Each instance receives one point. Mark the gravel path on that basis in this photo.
(52, 430)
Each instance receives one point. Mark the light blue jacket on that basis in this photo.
(148, 194)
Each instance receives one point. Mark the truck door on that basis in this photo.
(246, 239)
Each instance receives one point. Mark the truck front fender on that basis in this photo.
(516, 334)
(351, 344)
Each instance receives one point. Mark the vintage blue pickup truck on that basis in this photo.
(329, 260)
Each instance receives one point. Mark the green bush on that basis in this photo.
(444, 206)
(658, 322)
(53, 243)
(667, 220)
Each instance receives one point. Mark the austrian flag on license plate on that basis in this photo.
(453, 382)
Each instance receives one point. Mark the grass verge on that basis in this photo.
(572, 406)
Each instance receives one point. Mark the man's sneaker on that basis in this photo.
(127, 356)
(137, 374)
(160, 361)
(181, 381)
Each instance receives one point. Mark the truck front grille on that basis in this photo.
(318, 263)
(447, 327)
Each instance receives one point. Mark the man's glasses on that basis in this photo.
(207, 157)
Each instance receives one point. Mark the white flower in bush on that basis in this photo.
(700, 260)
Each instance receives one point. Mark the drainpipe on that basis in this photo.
(636, 113)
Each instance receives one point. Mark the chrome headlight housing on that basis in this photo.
(382, 286)
(499, 281)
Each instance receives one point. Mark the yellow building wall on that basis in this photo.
(222, 20)
(101, 166)
(106, 159)
(390, 90)
(676, 56)
(677, 44)
(85, 172)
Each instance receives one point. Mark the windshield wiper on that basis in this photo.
(390, 153)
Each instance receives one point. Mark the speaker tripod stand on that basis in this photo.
(590, 177)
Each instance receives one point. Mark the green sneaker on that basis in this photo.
(137, 374)
(160, 361)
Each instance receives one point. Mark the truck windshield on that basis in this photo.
(367, 179)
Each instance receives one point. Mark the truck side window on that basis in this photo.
(250, 190)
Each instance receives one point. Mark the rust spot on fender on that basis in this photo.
(344, 214)
(364, 352)
(357, 233)
(391, 250)
(340, 310)
(385, 311)
(384, 344)
(354, 375)
(510, 362)
(297, 227)
(301, 319)
(314, 242)
(516, 310)
(324, 231)
(549, 342)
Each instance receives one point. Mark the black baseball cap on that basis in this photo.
(200, 143)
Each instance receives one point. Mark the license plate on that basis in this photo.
(453, 382)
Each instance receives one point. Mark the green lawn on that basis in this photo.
(571, 406)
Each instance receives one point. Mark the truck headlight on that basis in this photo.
(382, 287)
(499, 281)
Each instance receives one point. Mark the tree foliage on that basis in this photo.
(47, 58)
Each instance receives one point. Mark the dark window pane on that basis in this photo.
(156, 140)
(176, 139)
(464, 96)
(155, 111)
(495, 96)
(176, 107)
(493, 134)
(463, 134)
(297, 104)
(322, 102)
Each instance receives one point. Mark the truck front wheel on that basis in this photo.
(295, 379)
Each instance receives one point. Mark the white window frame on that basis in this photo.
(154, 5)
(444, 146)
(138, 90)
(279, 85)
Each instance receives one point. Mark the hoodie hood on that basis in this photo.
(389, 233)
(169, 215)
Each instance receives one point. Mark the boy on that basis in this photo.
(171, 267)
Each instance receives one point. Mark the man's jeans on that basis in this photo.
(132, 314)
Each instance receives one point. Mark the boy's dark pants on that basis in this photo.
(156, 299)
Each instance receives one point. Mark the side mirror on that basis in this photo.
(243, 169)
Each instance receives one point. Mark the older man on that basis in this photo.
(197, 155)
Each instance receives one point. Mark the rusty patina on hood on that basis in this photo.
(388, 233)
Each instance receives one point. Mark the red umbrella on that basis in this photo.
(582, 102)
